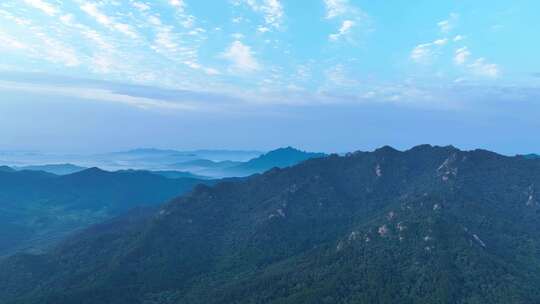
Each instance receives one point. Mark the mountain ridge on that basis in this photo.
(427, 225)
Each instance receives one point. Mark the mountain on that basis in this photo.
(427, 225)
(170, 173)
(39, 208)
(58, 169)
(6, 169)
(531, 156)
(280, 158)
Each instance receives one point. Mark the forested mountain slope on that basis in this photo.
(428, 225)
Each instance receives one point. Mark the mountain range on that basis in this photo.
(58, 169)
(426, 225)
(196, 164)
(39, 208)
(279, 158)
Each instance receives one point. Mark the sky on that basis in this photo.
(321, 75)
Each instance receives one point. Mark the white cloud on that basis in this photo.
(47, 8)
(263, 29)
(272, 11)
(462, 55)
(479, 67)
(424, 52)
(237, 36)
(338, 76)
(446, 26)
(57, 52)
(458, 38)
(92, 10)
(440, 42)
(482, 68)
(348, 16)
(421, 52)
(241, 57)
(17, 20)
(178, 4)
(141, 6)
(345, 28)
(99, 94)
(335, 8)
(9, 42)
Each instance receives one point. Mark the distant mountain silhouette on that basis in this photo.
(38, 208)
(6, 169)
(58, 169)
(170, 173)
(428, 225)
(279, 158)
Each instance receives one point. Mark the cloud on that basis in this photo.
(335, 8)
(57, 52)
(241, 57)
(178, 4)
(263, 29)
(8, 42)
(440, 42)
(47, 8)
(424, 52)
(462, 55)
(92, 10)
(458, 38)
(99, 94)
(446, 26)
(272, 11)
(345, 29)
(141, 6)
(478, 67)
(338, 76)
(348, 16)
(482, 68)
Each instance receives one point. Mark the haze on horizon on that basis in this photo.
(326, 75)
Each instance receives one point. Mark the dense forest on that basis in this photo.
(427, 225)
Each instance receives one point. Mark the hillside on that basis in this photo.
(428, 225)
(39, 208)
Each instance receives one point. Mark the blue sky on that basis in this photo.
(330, 75)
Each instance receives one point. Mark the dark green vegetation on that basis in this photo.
(39, 208)
(428, 225)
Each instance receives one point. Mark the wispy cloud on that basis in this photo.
(92, 10)
(426, 52)
(349, 17)
(462, 55)
(345, 29)
(8, 42)
(335, 8)
(44, 6)
(446, 26)
(271, 10)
